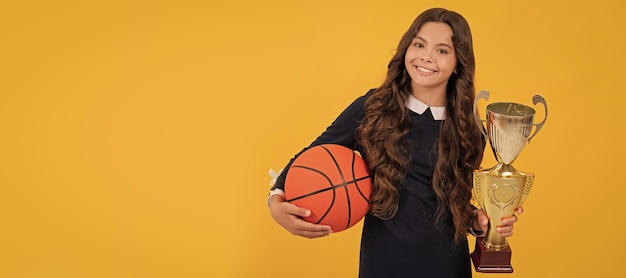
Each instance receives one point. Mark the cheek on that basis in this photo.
(410, 55)
(451, 64)
(407, 61)
(407, 57)
(454, 62)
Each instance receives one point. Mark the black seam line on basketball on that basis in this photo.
(343, 179)
(358, 189)
(317, 171)
(332, 187)
(343, 182)
(325, 189)
(348, 193)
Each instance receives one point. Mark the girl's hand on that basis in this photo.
(289, 216)
(506, 229)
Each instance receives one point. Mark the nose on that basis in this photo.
(426, 58)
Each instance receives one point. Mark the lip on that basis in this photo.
(425, 70)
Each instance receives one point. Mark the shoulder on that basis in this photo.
(370, 92)
(360, 101)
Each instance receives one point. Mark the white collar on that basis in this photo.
(415, 105)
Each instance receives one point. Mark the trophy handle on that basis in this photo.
(538, 99)
(484, 94)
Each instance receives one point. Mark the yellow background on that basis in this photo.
(136, 136)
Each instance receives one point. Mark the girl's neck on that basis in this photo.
(435, 97)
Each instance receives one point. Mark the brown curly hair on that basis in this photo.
(385, 126)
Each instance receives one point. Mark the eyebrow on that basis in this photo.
(439, 44)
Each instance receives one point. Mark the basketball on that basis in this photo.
(333, 182)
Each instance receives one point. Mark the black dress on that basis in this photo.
(410, 244)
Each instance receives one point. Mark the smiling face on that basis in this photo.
(430, 60)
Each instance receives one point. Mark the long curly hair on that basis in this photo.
(385, 128)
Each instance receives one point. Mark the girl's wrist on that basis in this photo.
(273, 193)
(477, 232)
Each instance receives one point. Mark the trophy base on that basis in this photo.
(490, 260)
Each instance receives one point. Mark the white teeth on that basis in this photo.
(424, 70)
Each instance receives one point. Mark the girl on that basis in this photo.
(418, 134)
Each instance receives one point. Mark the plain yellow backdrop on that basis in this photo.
(136, 136)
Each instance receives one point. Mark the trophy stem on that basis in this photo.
(493, 240)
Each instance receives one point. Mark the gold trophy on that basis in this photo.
(502, 189)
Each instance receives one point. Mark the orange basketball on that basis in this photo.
(331, 181)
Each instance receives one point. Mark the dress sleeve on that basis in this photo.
(340, 132)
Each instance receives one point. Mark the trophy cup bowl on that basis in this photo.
(501, 189)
